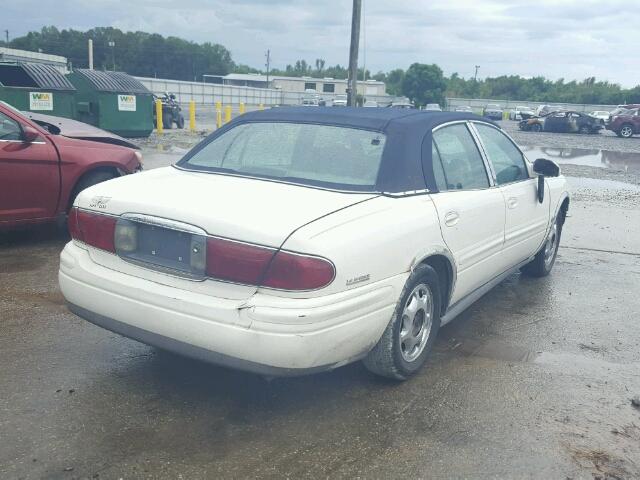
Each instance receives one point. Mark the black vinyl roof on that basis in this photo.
(34, 75)
(379, 119)
(406, 163)
(116, 82)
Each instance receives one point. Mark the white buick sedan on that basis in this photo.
(292, 241)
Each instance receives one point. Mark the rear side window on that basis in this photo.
(462, 165)
(302, 153)
(507, 160)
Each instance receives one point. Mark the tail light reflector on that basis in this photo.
(254, 265)
(93, 229)
(236, 262)
(290, 271)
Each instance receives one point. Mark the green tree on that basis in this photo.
(424, 84)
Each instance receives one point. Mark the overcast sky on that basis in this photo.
(572, 39)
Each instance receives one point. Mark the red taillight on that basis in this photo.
(289, 271)
(236, 262)
(93, 229)
(253, 265)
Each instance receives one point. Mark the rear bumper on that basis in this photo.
(264, 334)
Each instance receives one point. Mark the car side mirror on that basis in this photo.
(29, 134)
(544, 168)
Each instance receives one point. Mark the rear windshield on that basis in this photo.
(310, 154)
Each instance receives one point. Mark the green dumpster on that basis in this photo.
(37, 87)
(113, 101)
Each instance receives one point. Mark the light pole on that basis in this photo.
(352, 91)
(112, 44)
(475, 76)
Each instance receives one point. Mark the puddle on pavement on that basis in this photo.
(625, 161)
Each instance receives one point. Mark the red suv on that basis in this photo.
(625, 123)
(42, 169)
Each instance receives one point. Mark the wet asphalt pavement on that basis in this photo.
(533, 381)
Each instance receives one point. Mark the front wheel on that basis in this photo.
(584, 130)
(411, 333)
(536, 127)
(180, 121)
(544, 260)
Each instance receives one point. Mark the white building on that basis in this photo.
(327, 86)
(15, 55)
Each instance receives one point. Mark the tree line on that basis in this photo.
(153, 55)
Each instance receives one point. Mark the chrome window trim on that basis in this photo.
(22, 141)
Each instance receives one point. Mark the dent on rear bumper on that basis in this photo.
(265, 334)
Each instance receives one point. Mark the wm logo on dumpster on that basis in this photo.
(40, 101)
(127, 103)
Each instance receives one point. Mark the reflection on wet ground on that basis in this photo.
(624, 161)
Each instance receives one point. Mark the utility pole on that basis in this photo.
(6, 35)
(364, 43)
(268, 65)
(475, 76)
(90, 54)
(352, 91)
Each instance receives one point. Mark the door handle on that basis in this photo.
(451, 218)
(512, 202)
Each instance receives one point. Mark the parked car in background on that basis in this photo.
(493, 111)
(340, 101)
(601, 115)
(370, 104)
(433, 107)
(626, 123)
(543, 110)
(563, 122)
(291, 242)
(46, 161)
(572, 122)
(463, 108)
(402, 104)
(517, 113)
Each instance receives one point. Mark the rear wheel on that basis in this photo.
(544, 260)
(626, 131)
(167, 121)
(411, 333)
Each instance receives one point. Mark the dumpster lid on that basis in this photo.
(117, 82)
(34, 75)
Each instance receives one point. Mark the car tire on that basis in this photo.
(544, 260)
(626, 131)
(88, 180)
(411, 333)
(584, 130)
(536, 127)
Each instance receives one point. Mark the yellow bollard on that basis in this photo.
(241, 109)
(227, 114)
(159, 116)
(261, 107)
(218, 114)
(192, 115)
